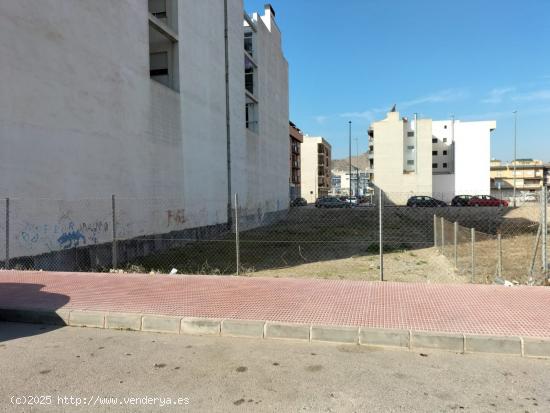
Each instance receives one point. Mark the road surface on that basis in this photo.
(136, 371)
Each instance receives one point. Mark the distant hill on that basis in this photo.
(361, 162)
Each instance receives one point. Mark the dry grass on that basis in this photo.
(343, 244)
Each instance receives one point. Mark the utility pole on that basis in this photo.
(515, 112)
(357, 166)
(349, 198)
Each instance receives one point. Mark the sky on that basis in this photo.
(351, 60)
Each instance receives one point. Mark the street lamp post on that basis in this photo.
(515, 151)
(349, 162)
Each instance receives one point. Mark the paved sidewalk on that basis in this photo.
(468, 309)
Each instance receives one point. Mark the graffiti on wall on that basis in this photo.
(175, 217)
(63, 234)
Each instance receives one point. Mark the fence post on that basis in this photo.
(435, 231)
(544, 224)
(499, 257)
(443, 235)
(7, 263)
(381, 233)
(473, 253)
(456, 243)
(237, 246)
(114, 246)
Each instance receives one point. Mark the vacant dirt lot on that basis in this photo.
(329, 244)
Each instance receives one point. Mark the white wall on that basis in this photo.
(469, 158)
(473, 157)
(81, 120)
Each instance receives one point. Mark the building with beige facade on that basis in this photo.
(425, 157)
(296, 140)
(315, 168)
(530, 174)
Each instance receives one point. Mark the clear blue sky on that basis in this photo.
(476, 59)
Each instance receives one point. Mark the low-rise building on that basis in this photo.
(316, 168)
(296, 140)
(341, 182)
(530, 176)
(434, 158)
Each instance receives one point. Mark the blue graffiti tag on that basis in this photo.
(71, 239)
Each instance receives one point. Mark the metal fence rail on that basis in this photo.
(382, 240)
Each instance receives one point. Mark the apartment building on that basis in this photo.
(182, 103)
(296, 140)
(426, 157)
(531, 175)
(316, 168)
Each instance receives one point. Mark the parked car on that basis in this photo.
(298, 202)
(331, 202)
(353, 200)
(528, 198)
(461, 200)
(487, 200)
(425, 201)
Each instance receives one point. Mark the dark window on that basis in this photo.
(434, 153)
(410, 147)
(444, 139)
(444, 165)
(410, 134)
(445, 127)
(444, 152)
(434, 140)
(434, 165)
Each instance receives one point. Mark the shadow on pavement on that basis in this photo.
(27, 303)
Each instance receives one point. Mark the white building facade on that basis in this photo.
(435, 158)
(150, 101)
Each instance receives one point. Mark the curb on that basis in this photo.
(365, 336)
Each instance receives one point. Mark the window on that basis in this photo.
(410, 162)
(444, 152)
(249, 74)
(434, 165)
(163, 43)
(434, 153)
(159, 67)
(434, 140)
(248, 43)
(410, 134)
(158, 9)
(251, 115)
(410, 147)
(444, 165)
(444, 139)
(445, 127)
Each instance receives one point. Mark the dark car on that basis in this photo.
(487, 200)
(331, 202)
(425, 201)
(461, 200)
(298, 202)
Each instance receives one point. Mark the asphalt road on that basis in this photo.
(218, 374)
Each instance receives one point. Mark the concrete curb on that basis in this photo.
(376, 337)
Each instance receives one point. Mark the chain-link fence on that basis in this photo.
(379, 239)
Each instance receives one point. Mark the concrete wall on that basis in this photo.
(473, 157)
(81, 120)
(262, 171)
(468, 158)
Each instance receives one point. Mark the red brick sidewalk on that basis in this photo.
(469, 309)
